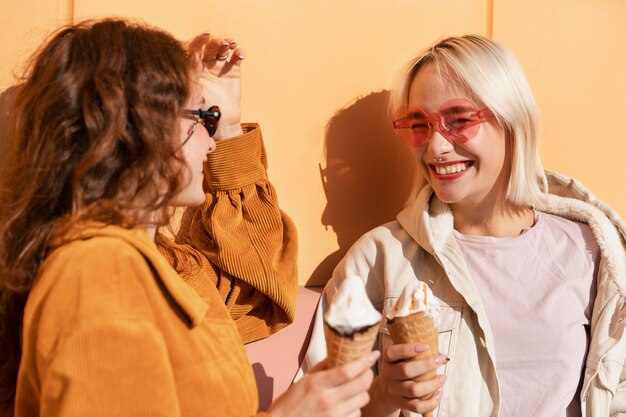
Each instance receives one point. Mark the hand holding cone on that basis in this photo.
(412, 321)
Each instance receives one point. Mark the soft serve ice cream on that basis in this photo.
(351, 309)
(350, 323)
(416, 296)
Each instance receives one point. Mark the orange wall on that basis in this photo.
(574, 54)
(23, 25)
(317, 75)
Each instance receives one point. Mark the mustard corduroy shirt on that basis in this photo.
(111, 329)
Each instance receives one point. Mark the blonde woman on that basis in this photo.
(529, 267)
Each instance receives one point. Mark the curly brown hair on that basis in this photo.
(92, 134)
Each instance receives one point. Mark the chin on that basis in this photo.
(448, 197)
(196, 201)
(188, 199)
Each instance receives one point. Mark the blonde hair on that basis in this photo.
(489, 74)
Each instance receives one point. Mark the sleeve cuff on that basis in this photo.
(238, 161)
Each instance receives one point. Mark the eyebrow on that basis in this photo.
(199, 102)
(418, 115)
(456, 109)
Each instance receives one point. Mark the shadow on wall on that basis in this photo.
(367, 175)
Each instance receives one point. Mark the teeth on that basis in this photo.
(451, 169)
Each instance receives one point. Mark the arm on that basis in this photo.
(242, 232)
(249, 242)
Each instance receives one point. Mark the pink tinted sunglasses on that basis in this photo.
(457, 120)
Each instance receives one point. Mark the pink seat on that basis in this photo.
(276, 359)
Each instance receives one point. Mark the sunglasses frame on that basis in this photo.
(401, 122)
(208, 118)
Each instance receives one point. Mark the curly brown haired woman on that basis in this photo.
(114, 123)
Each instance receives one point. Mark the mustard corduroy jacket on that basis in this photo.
(112, 329)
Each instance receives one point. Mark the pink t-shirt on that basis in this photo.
(538, 290)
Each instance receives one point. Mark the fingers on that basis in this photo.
(221, 51)
(197, 43)
(424, 406)
(401, 365)
(319, 367)
(340, 391)
(230, 48)
(400, 362)
(348, 397)
(406, 370)
(426, 389)
(210, 50)
(349, 371)
(346, 386)
(403, 351)
(237, 56)
(354, 386)
(352, 405)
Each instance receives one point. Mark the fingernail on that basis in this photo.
(441, 359)
(438, 395)
(419, 348)
(241, 56)
(442, 378)
(373, 356)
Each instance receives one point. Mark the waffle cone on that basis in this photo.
(416, 328)
(344, 348)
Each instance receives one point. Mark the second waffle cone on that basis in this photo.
(416, 328)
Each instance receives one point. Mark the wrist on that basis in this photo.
(228, 131)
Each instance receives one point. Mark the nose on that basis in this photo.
(438, 144)
(211, 144)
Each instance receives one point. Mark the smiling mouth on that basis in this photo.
(451, 168)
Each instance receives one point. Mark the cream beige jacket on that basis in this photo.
(420, 243)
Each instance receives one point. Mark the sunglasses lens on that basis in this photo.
(461, 120)
(211, 124)
(211, 121)
(412, 125)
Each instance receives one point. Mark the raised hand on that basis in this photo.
(217, 66)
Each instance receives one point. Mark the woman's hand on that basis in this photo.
(322, 392)
(394, 388)
(217, 65)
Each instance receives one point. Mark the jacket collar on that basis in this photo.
(182, 294)
(430, 222)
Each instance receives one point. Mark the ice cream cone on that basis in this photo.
(416, 328)
(344, 348)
